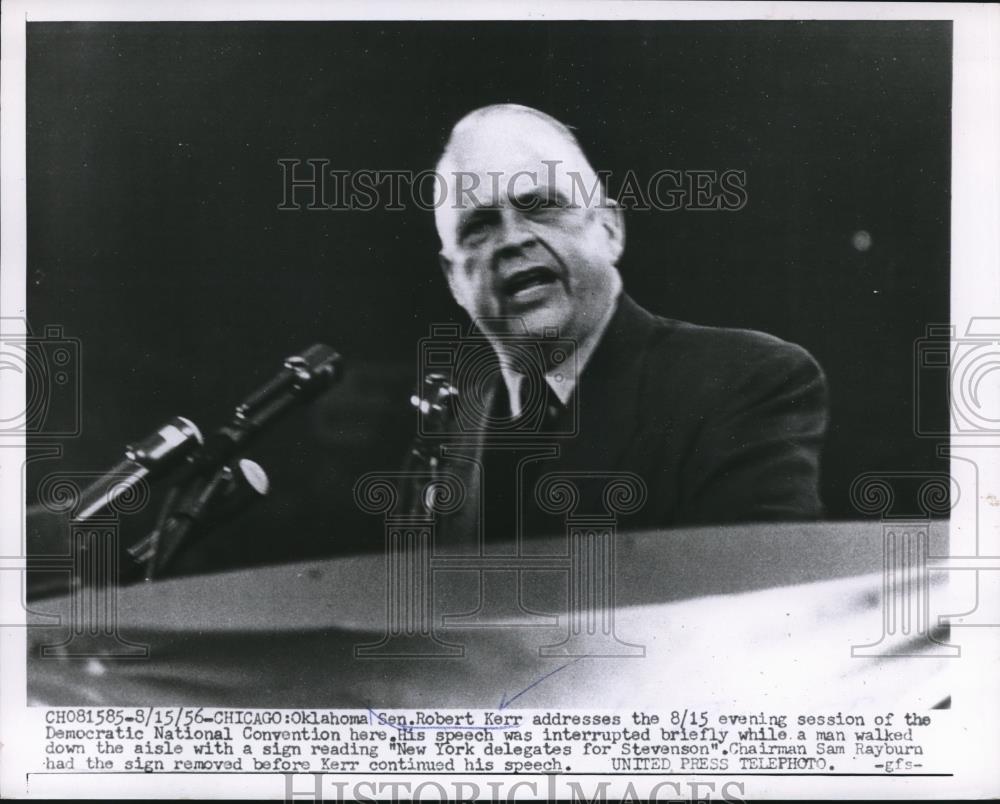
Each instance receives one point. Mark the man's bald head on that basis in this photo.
(514, 117)
(495, 148)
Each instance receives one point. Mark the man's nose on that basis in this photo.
(515, 232)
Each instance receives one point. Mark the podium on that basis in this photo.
(770, 614)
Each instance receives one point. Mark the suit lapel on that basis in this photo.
(609, 391)
(463, 456)
(606, 400)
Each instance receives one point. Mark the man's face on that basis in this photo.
(523, 241)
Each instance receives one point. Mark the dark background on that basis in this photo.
(155, 239)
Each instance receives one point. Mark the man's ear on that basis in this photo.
(613, 222)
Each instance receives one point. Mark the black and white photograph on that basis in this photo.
(425, 402)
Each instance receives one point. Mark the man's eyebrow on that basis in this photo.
(533, 195)
(476, 205)
(531, 198)
(475, 210)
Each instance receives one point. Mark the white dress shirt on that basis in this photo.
(561, 381)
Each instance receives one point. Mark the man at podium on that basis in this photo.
(719, 424)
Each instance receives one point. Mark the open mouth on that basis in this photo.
(532, 278)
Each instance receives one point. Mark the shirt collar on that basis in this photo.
(562, 383)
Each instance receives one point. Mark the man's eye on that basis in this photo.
(552, 205)
(473, 230)
(533, 203)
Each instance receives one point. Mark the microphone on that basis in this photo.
(301, 378)
(211, 488)
(179, 446)
(152, 457)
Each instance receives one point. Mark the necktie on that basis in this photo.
(539, 407)
(501, 488)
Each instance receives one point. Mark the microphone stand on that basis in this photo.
(214, 484)
(186, 510)
(434, 406)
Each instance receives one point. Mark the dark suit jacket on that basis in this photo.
(721, 425)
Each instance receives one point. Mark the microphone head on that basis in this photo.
(302, 377)
(254, 476)
(316, 368)
(163, 450)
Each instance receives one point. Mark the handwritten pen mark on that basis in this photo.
(505, 701)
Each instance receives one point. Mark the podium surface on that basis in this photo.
(802, 615)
